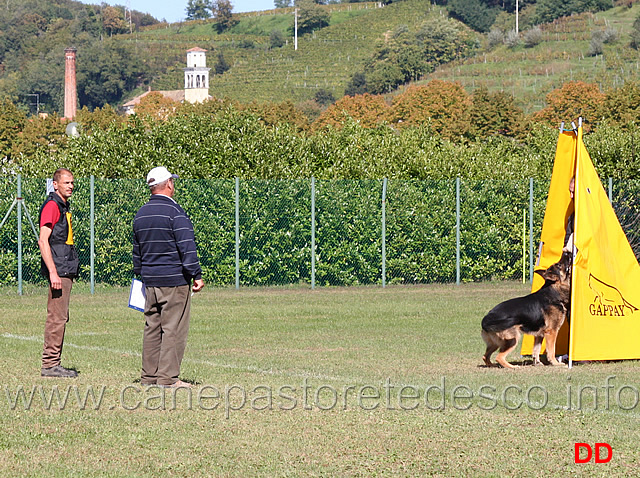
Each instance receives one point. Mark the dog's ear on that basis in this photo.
(549, 275)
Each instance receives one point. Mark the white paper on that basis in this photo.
(137, 296)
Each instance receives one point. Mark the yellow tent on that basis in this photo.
(605, 297)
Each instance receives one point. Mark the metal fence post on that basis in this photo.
(237, 233)
(92, 225)
(610, 189)
(530, 229)
(19, 201)
(313, 232)
(384, 232)
(458, 230)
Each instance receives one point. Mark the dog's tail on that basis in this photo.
(497, 322)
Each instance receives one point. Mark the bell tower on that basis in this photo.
(196, 76)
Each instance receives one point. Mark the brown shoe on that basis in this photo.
(178, 384)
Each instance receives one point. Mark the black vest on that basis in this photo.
(63, 251)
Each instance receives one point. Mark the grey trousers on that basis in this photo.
(56, 323)
(167, 312)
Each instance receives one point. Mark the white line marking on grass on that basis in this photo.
(245, 368)
(94, 348)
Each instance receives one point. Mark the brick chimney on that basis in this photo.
(70, 93)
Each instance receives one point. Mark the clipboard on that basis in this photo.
(137, 296)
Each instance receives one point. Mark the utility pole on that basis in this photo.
(295, 29)
(516, 16)
(125, 15)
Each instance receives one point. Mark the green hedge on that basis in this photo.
(275, 230)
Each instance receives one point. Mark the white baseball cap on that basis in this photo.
(159, 175)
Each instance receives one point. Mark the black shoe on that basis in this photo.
(58, 371)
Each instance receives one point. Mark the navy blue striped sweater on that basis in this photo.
(164, 246)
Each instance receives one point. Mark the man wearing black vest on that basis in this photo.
(59, 266)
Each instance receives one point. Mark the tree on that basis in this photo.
(475, 13)
(324, 97)
(12, 122)
(445, 41)
(574, 99)
(357, 85)
(42, 134)
(44, 79)
(199, 9)
(282, 3)
(221, 64)
(98, 119)
(113, 20)
(445, 106)
(548, 10)
(110, 69)
(494, 114)
(406, 56)
(276, 39)
(311, 16)
(156, 106)
(223, 13)
(274, 114)
(368, 110)
(622, 105)
(384, 77)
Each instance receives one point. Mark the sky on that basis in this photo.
(174, 10)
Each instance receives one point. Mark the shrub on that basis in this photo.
(246, 44)
(596, 46)
(512, 39)
(276, 39)
(495, 38)
(635, 34)
(610, 35)
(324, 97)
(532, 37)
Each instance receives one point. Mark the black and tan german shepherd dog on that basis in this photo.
(540, 314)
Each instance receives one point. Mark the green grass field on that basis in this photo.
(300, 382)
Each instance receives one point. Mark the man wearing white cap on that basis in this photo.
(165, 256)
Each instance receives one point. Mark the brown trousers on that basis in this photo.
(167, 313)
(54, 327)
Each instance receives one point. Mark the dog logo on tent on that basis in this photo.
(610, 302)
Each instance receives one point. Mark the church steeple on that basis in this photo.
(196, 76)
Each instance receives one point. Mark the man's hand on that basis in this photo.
(198, 284)
(56, 282)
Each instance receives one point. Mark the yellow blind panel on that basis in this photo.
(559, 208)
(605, 320)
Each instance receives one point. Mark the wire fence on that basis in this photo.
(313, 232)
